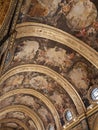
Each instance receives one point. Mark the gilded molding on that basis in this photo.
(16, 15)
(37, 121)
(39, 96)
(9, 49)
(82, 117)
(57, 77)
(17, 121)
(46, 31)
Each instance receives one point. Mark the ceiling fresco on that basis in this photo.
(64, 15)
(49, 65)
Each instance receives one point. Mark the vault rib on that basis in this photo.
(21, 108)
(17, 121)
(57, 77)
(45, 31)
(39, 96)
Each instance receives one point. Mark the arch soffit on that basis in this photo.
(54, 75)
(45, 31)
(37, 121)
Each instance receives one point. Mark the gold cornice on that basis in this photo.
(49, 32)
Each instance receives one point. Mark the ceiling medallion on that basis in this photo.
(82, 14)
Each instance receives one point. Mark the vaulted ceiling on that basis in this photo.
(48, 65)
